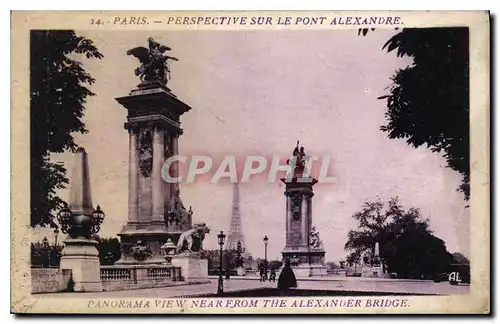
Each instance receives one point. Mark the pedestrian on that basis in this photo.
(287, 278)
(228, 275)
(272, 275)
(262, 274)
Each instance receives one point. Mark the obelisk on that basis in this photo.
(80, 254)
(377, 269)
(376, 255)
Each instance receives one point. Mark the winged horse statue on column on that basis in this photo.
(154, 62)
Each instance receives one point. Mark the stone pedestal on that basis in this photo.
(80, 255)
(152, 237)
(302, 271)
(302, 246)
(310, 262)
(240, 271)
(313, 270)
(153, 123)
(373, 272)
(193, 268)
(318, 270)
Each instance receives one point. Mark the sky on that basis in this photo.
(257, 93)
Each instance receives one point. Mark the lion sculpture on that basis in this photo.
(192, 239)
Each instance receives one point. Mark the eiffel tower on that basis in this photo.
(235, 233)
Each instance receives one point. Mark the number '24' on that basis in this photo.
(96, 22)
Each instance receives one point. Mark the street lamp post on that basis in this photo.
(266, 240)
(56, 248)
(220, 287)
(56, 233)
(46, 252)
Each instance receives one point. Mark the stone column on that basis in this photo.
(157, 181)
(288, 219)
(167, 153)
(175, 165)
(304, 220)
(307, 198)
(133, 181)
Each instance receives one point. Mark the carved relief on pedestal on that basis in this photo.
(314, 240)
(296, 200)
(141, 251)
(125, 249)
(177, 215)
(294, 261)
(146, 153)
(167, 151)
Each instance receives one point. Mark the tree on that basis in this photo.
(374, 225)
(406, 243)
(275, 264)
(460, 258)
(420, 255)
(249, 262)
(58, 94)
(428, 103)
(332, 265)
(109, 250)
(213, 258)
(260, 262)
(45, 255)
(229, 259)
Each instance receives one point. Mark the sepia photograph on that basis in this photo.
(201, 166)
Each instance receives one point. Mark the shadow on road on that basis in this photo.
(274, 292)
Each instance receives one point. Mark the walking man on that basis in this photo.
(262, 274)
(272, 276)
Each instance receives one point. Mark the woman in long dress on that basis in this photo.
(287, 278)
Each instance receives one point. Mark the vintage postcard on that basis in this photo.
(250, 162)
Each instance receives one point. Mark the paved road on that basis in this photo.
(235, 284)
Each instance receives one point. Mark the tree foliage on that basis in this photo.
(58, 93)
(229, 259)
(332, 265)
(459, 258)
(419, 254)
(275, 264)
(428, 103)
(213, 258)
(406, 243)
(45, 255)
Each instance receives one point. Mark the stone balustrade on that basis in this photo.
(159, 273)
(115, 274)
(123, 277)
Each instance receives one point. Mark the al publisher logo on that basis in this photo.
(454, 277)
